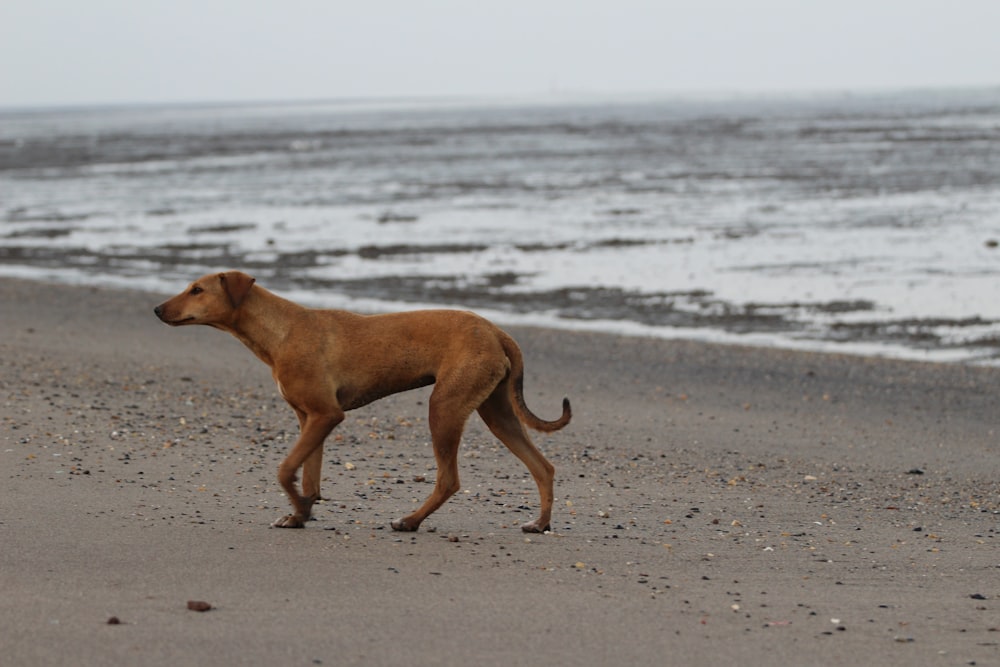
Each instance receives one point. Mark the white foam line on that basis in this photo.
(549, 320)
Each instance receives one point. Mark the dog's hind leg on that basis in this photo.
(451, 403)
(499, 415)
(446, 435)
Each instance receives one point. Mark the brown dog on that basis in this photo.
(329, 361)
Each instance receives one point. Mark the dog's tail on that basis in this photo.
(526, 416)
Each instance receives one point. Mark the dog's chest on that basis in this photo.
(281, 389)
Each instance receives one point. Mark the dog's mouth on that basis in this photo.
(161, 312)
(177, 322)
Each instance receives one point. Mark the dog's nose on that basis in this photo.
(158, 311)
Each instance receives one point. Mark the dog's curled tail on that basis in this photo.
(525, 414)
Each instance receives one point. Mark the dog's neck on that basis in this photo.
(261, 324)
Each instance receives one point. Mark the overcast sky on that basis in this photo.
(124, 51)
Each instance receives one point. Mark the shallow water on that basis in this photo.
(863, 224)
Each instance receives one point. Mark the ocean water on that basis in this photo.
(858, 223)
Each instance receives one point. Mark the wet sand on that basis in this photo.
(715, 505)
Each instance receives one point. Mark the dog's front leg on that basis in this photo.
(315, 428)
(311, 473)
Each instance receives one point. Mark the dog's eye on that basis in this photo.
(196, 290)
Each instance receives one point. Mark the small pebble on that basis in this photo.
(198, 605)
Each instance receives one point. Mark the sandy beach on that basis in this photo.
(715, 505)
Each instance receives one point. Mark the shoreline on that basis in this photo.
(715, 503)
(952, 353)
(650, 216)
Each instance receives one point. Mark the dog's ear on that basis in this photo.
(237, 285)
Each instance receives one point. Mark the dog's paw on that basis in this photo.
(290, 521)
(534, 527)
(403, 525)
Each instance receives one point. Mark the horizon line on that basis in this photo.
(567, 95)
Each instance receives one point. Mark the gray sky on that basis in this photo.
(120, 51)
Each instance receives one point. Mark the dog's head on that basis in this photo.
(211, 300)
